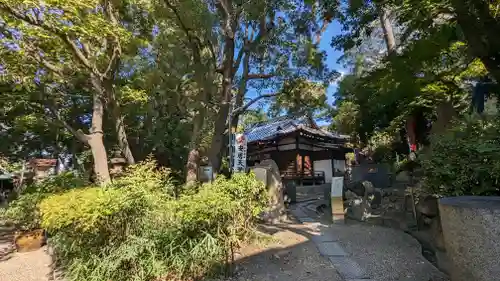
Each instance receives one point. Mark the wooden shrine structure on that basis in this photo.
(303, 151)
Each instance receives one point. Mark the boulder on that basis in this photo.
(369, 187)
(358, 209)
(356, 187)
(375, 198)
(349, 195)
(428, 206)
(268, 172)
(361, 188)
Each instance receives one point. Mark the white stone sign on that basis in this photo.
(337, 186)
(240, 154)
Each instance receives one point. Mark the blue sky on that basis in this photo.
(332, 54)
(331, 61)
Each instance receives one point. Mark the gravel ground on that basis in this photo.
(28, 266)
(291, 257)
(386, 254)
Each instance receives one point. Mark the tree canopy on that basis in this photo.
(83, 81)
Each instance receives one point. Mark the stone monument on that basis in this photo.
(268, 172)
(471, 229)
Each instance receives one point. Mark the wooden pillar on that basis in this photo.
(302, 156)
(333, 163)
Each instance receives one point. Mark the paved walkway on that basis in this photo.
(362, 252)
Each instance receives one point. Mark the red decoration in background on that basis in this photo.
(413, 147)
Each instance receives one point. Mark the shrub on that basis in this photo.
(23, 211)
(465, 160)
(135, 230)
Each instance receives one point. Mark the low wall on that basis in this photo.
(471, 229)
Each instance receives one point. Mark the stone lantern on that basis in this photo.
(42, 168)
(117, 165)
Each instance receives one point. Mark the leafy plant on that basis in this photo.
(465, 160)
(23, 212)
(133, 229)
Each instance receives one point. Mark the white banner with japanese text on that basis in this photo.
(240, 154)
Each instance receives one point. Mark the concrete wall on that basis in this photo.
(339, 165)
(325, 166)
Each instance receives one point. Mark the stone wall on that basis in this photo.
(471, 228)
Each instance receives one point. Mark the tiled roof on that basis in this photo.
(284, 125)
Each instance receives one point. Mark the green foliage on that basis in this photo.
(464, 160)
(23, 211)
(134, 230)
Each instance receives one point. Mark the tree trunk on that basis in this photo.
(481, 31)
(385, 22)
(193, 161)
(217, 145)
(445, 114)
(192, 166)
(95, 139)
(242, 89)
(121, 134)
(100, 156)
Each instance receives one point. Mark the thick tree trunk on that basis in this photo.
(193, 161)
(385, 22)
(481, 31)
(242, 89)
(118, 118)
(95, 138)
(100, 157)
(217, 145)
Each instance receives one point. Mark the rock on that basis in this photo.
(369, 188)
(428, 206)
(349, 195)
(358, 209)
(437, 234)
(374, 198)
(443, 262)
(268, 172)
(427, 220)
(356, 187)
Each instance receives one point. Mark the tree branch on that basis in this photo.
(32, 50)
(243, 108)
(260, 76)
(77, 52)
(77, 133)
(74, 48)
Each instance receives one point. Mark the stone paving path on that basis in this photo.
(367, 253)
(329, 247)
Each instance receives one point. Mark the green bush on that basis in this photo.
(23, 211)
(465, 160)
(135, 230)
